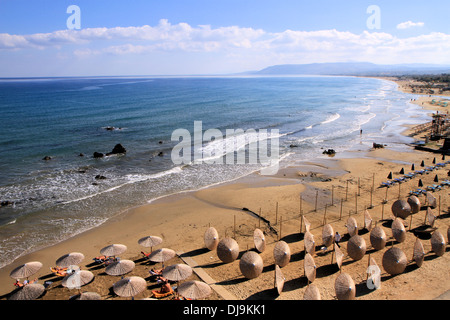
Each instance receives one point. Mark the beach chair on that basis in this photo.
(419, 171)
(158, 294)
(386, 184)
(101, 259)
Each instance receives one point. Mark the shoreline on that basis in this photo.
(181, 220)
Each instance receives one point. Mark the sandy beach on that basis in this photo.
(345, 186)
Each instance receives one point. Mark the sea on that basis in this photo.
(68, 119)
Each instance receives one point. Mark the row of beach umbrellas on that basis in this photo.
(126, 287)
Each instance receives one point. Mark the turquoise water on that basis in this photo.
(63, 118)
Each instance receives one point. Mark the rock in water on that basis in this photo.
(98, 155)
(118, 149)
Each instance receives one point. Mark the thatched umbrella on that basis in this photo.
(430, 217)
(77, 279)
(422, 164)
(306, 223)
(438, 243)
(177, 272)
(211, 238)
(251, 265)
(279, 279)
(26, 270)
(194, 290)
(31, 291)
(401, 209)
(448, 235)
(150, 242)
(398, 230)
(394, 261)
(356, 247)
(378, 238)
(310, 244)
(327, 235)
(310, 267)
(420, 184)
(419, 253)
(352, 226)
(431, 200)
(118, 268)
(367, 221)
(339, 256)
(345, 287)
(227, 250)
(311, 293)
(70, 259)
(130, 286)
(374, 272)
(414, 203)
(162, 255)
(281, 253)
(259, 240)
(389, 175)
(113, 250)
(86, 296)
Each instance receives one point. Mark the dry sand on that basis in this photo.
(181, 221)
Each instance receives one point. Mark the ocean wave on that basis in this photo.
(331, 118)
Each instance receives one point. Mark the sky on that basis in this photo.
(43, 38)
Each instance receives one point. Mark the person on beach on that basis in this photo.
(337, 238)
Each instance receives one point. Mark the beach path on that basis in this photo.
(224, 293)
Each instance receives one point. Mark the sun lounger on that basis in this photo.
(159, 294)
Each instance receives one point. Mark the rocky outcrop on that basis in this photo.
(118, 149)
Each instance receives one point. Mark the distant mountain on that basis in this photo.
(352, 68)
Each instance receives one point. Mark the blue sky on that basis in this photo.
(148, 37)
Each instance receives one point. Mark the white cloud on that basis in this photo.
(230, 47)
(409, 24)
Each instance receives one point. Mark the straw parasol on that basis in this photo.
(401, 208)
(279, 279)
(282, 253)
(162, 255)
(419, 253)
(307, 223)
(310, 244)
(430, 217)
(352, 226)
(310, 267)
(177, 272)
(339, 255)
(378, 238)
(448, 235)
(113, 250)
(327, 235)
(374, 272)
(77, 279)
(312, 293)
(194, 289)
(227, 250)
(86, 296)
(67, 260)
(150, 242)
(130, 286)
(394, 261)
(367, 221)
(211, 238)
(431, 200)
(356, 247)
(344, 287)
(438, 243)
(398, 230)
(119, 268)
(26, 270)
(31, 291)
(414, 203)
(251, 265)
(259, 240)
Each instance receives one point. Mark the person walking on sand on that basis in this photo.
(337, 238)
